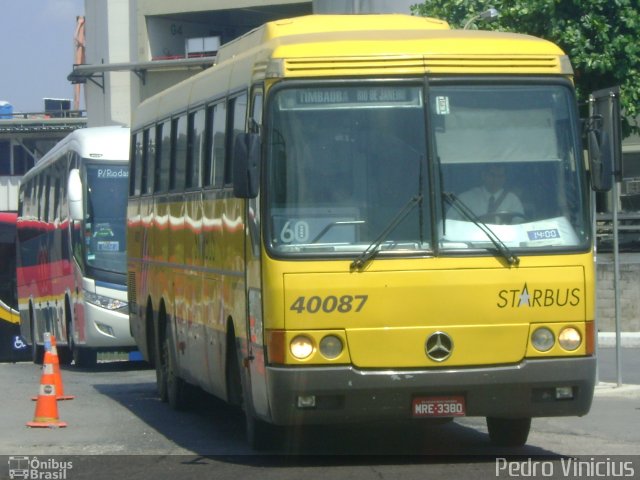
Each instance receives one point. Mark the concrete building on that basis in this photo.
(135, 48)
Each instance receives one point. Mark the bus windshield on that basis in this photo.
(509, 162)
(343, 162)
(347, 169)
(8, 260)
(107, 187)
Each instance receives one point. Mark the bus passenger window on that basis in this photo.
(238, 116)
(196, 148)
(178, 174)
(161, 183)
(218, 145)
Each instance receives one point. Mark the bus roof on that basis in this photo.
(99, 143)
(358, 45)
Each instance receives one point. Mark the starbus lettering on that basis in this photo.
(547, 297)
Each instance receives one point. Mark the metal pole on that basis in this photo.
(616, 282)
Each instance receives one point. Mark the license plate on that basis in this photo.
(449, 406)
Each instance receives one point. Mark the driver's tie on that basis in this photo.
(491, 206)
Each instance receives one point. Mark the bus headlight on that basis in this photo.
(542, 339)
(331, 347)
(569, 338)
(301, 347)
(104, 302)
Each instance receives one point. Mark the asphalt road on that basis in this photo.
(117, 428)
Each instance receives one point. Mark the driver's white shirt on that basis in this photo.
(477, 199)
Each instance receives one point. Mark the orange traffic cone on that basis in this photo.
(46, 414)
(57, 376)
(51, 357)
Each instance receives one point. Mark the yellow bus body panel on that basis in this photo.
(487, 309)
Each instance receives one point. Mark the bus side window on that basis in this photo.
(218, 145)
(177, 177)
(196, 147)
(136, 165)
(149, 161)
(45, 198)
(143, 163)
(161, 183)
(237, 118)
(256, 112)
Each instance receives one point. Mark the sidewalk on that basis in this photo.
(628, 363)
(628, 339)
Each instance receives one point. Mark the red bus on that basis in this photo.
(12, 345)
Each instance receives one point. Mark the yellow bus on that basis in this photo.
(306, 235)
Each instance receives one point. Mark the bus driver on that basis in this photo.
(491, 202)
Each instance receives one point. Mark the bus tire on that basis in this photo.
(157, 348)
(508, 432)
(84, 357)
(37, 351)
(176, 386)
(65, 354)
(260, 434)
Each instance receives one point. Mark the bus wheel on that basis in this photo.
(508, 432)
(65, 356)
(157, 349)
(37, 351)
(176, 387)
(161, 352)
(260, 434)
(84, 357)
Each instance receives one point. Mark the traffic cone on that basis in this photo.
(57, 376)
(46, 414)
(51, 357)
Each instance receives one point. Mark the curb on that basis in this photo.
(627, 339)
(613, 390)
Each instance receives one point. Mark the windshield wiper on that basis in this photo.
(372, 250)
(466, 212)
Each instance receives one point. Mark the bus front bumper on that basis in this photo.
(346, 394)
(106, 329)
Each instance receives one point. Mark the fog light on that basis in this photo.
(301, 347)
(307, 401)
(564, 393)
(542, 339)
(569, 339)
(105, 329)
(331, 347)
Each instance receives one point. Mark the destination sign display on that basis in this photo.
(349, 97)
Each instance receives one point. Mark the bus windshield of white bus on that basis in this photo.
(107, 187)
(348, 166)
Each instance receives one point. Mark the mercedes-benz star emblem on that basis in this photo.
(439, 346)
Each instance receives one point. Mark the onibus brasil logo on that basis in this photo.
(38, 469)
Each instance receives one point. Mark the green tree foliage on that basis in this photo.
(601, 38)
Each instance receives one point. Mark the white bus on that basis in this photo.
(71, 257)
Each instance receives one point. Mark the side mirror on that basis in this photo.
(599, 160)
(246, 165)
(74, 192)
(604, 138)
